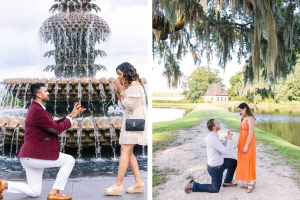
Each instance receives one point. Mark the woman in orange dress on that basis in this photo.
(245, 170)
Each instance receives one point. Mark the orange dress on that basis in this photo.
(245, 170)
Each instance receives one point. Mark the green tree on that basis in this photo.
(236, 82)
(195, 85)
(266, 33)
(289, 91)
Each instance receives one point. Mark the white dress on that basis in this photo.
(134, 108)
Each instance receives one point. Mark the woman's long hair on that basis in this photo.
(129, 72)
(248, 111)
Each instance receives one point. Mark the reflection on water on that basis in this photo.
(283, 122)
(167, 114)
(286, 130)
(11, 168)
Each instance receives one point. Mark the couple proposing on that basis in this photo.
(216, 163)
(40, 148)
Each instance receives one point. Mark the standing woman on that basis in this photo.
(245, 170)
(132, 100)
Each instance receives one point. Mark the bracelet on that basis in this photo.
(121, 93)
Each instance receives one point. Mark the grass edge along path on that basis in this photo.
(165, 133)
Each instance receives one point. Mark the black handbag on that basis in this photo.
(136, 124)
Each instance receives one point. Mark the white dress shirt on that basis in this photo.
(216, 149)
(45, 109)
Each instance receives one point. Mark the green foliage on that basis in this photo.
(196, 84)
(166, 94)
(171, 101)
(289, 91)
(236, 82)
(264, 33)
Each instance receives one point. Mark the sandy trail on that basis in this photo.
(186, 159)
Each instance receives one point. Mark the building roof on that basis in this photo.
(216, 90)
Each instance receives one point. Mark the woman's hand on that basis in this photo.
(115, 86)
(245, 149)
(119, 87)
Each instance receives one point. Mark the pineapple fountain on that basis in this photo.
(74, 31)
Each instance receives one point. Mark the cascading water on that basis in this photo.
(2, 140)
(97, 144)
(79, 138)
(25, 93)
(17, 94)
(16, 131)
(113, 136)
(144, 154)
(2, 93)
(113, 95)
(17, 139)
(68, 95)
(6, 95)
(79, 91)
(90, 98)
(55, 98)
(12, 95)
(102, 96)
(63, 141)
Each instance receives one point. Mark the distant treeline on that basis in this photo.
(166, 94)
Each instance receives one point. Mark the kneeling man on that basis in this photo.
(216, 162)
(40, 148)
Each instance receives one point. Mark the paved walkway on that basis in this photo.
(86, 189)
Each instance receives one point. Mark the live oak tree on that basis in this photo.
(195, 85)
(266, 33)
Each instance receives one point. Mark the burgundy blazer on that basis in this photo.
(41, 134)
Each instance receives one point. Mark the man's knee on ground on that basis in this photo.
(215, 190)
(35, 191)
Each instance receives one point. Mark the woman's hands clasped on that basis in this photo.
(118, 86)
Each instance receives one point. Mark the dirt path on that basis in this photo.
(186, 159)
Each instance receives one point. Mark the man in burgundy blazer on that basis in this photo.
(40, 148)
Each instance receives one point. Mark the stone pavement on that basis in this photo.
(86, 189)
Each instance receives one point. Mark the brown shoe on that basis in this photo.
(229, 184)
(59, 196)
(1, 197)
(189, 187)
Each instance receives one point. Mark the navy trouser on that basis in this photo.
(217, 176)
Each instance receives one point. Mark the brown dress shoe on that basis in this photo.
(1, 197)
(59, 196)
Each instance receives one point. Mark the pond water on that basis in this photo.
(283, 122)
(168, 114)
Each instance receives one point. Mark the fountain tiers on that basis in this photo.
(62, 88)
(88, 127)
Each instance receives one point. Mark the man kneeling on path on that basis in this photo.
(216, 162)
(40, 148)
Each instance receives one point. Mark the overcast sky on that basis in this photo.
(187, 67)
(21, 51)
